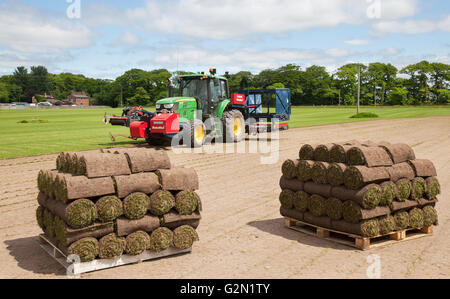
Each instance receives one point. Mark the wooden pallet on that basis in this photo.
(75, 269)
(362, 243)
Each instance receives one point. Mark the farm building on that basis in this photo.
(79, 98)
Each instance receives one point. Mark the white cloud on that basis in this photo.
(129, 38)
(389, 52)
(357, 42)
(25, 29)
(411, 26)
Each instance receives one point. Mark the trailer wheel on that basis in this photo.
(233, 126)
(155, 141)
(194, 134)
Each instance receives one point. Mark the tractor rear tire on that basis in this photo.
(233, 126)
(194, 133)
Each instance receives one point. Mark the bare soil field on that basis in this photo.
(242, 234)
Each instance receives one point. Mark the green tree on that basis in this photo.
(4, 95)
(141, 97)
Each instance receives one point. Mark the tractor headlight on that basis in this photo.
(158, 107)
(168, 106)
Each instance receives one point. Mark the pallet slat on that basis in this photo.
(355, 241)
(100, 264)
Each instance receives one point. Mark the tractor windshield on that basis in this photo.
(194, 87)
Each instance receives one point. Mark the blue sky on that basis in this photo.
(110, 37)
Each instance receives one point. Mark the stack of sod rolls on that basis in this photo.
(105, 204)
(363, 188)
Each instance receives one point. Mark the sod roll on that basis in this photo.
(322, 152)
(161, 202)
(433, 188)
(356, 177)
(111, 246)
(95, 165)
(338, 153)
(335, 174)
(40, 217)
(49, 223)
(301, 201)
(401, 219)
(334, 208)
(291, 213)
(401, 171)
(294, 184)
(319, 172)
(304, 170)
(137, 243)
(178, 179)
(418, 188)
(423, 168)
(126, 226)
(87, 249)
(109, 208)
(317, 205)
(399, 152)
(322, 221)
(353, 213)
(387, 224)
(146, 160)
(186, 202)
(404, 205)
(184, 237)
(422, 202)
(388, 193)
(368, 197)
(416, 218)
(135, 205)
(322, 190)
(67, 235)
(430, 216)
(289, 168)
(404, 188)
(307, 152)
(368, 228)
(173, 220)
(145, 182)
(161, 239)
(75, 187)
(368, 156)
(287, 199)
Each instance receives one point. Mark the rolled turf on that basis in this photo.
(322, 221)
(287, 199)
(401, 171)
(161, 202)
(125, 226)
(307, 152)
(137, 243)
(399, 152)
(184, 237)
(146, 182)
(97, 164)
(161, 239)
(401, 220)
(430, 216)
(289, 169)
(294, 184)
(304, 170)
(322, 190)
(368, 228)
(40, 217)
(418, 188)
(416, 218)
(81, 213)
(403, 205)
(322, 152)
(135, 205)
(353, 213)
(178, 179)
(186, 202)
(404, 188)
(333, 208)
(67, 235)
(423, 168)
(433, 188)
(368, 156)
(388, 193)
(173, 220)
(109, 208)
(48, 220)
(356, 177)
(335, 174)
(387, 224)
(146, 160)
(111, 246)
(74, 187)
(338, 153)
(319, 173)
(317, 205)
(301, 201)
(291, 213)
(87, 249)
(367, 197)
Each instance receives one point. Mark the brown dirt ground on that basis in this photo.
(242, 233)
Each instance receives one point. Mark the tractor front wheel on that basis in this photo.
(233, 126)
(195, 132)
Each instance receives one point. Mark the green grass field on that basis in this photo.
(53, 131)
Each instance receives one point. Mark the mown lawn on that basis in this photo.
(52, 131)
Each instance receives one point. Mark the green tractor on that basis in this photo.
(200, 108)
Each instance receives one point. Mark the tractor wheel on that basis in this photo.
(195, 132)
(233, 126)
(155, 141)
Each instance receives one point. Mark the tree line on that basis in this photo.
(381, 84)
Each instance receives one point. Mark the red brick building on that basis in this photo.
(79, 98)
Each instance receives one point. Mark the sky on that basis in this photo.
(103, 39)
